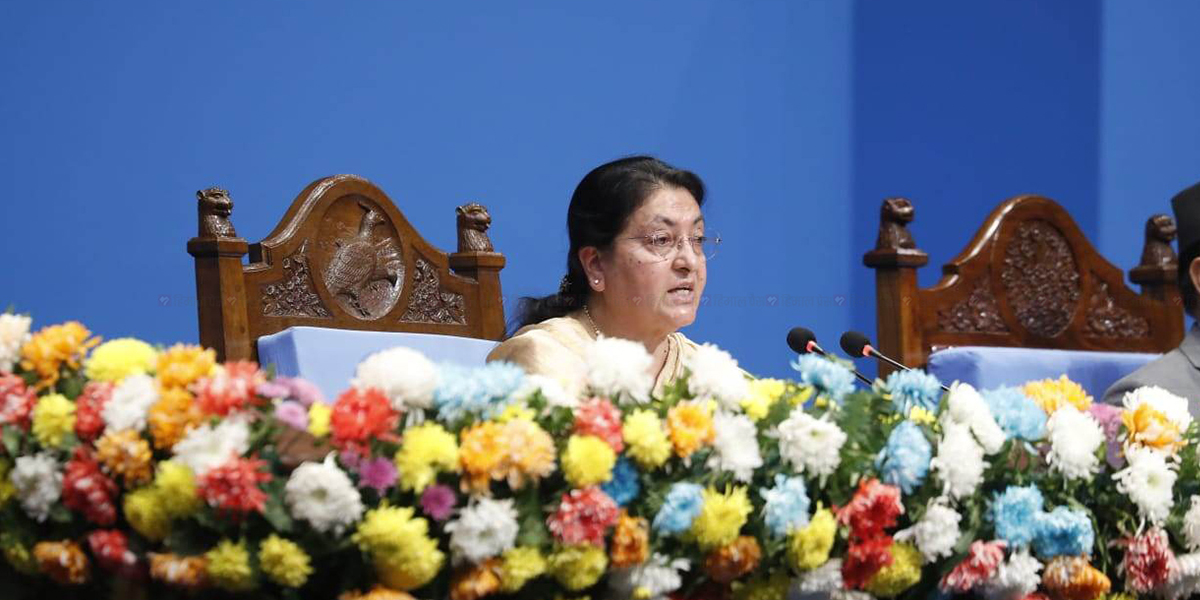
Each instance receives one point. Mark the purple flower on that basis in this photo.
(438, 501)
(292, 414)
(1109, 417)
(378, 474)
(351, 460)
(304, 390)
(273, 389)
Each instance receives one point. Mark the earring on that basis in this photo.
(596, 281)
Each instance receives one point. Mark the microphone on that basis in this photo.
(856, 343)
(803, 341)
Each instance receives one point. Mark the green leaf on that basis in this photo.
(12, 440)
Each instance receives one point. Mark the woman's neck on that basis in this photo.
(602, 323)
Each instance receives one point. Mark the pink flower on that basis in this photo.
(378, 474)
(303, 390)
(272, 389)
(1149, 562)
(583, 516)
(293, 414)
(597, 416)
(438, 501)
(980, 565)
(1109, 417)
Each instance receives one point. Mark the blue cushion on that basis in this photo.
(987, 368)
(328, 357)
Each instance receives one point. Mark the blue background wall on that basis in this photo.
(800, 115)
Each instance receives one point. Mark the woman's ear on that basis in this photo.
(589, 257)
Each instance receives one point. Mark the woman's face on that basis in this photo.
(647, 292)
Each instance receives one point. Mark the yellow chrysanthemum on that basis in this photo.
(587, 460)
(172, 417)
(53, 419)
(55, 347)
(376, 593)
(403, 555)
(1050, 394)
(480, 454)
(774, 587)
(1148, 426)
(117, 359)
(802, 395)
(516, 411)
(578, 567)
(520, 565)
(176, 487)
(229, 567)
(182, 364)
(721, 517)
(18, 555)
(427, 449)
(146, 513)
(645, 439)
(126, 455)
(284, 562)
(318, 419)
(690, 426)
(763, 394)
(529, 453)
(894, 579)
(921, 416)
(808, 547)
(7, 490)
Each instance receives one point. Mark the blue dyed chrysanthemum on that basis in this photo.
(914, 388)
(786, 505)
(828, 377)
(1015, 513)
(624, 486)
(904, 462)
(1017, 414)
(1063, 532)
(484, 391)
(680, 508)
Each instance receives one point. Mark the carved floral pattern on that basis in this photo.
(293, 295)
(977, 313)
(1106, 319)
(429, 303)
(1041, 278)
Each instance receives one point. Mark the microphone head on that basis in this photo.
(854, 343)
(798, 339)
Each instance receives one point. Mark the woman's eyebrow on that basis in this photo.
(671, 222)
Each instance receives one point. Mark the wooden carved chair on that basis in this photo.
(342, 257)
(1028, 279)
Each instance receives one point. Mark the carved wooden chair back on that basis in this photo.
(344, 257)
(1029, 278)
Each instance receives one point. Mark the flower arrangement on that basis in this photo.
(132, 469)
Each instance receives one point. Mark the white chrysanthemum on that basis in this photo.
(205, 447)
(936, 533)
(967, 407)
(715, 374)
(1171, 406)
(553, 391)
(38, 482)
(652, 580)
(404, 375)
(1184, 581)
(131, 401)
(1074, 437)
(809, 444)
(825, 578)
(323, 495)
(484, 529)
(14, 332)
(617, 368)
(850, 595)
(959, 462)
(735, 445)
(1191, 526)
(1148, 480)
(1014, 579)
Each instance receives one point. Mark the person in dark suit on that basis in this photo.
(1177, 371)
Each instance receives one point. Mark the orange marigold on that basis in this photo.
(55, 347)
(126, 455)
(689, 426)
(183, 571)
(182, 364)
(172, 417)
(63, 561)
(377, 593)
(528, 453)
(480, 454)
(476, 581)
(229, 389)
(359, 416)
(630, 541)
(733, 560)
(1073, 578)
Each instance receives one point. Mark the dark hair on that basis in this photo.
(601, 204)
(1187, 289)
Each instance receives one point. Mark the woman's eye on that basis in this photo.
(661, 240)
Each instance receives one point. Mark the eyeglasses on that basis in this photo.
(663, 243)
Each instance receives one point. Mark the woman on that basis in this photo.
(635, 270)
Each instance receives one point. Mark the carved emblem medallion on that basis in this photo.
(364, 267)
(1040, 278)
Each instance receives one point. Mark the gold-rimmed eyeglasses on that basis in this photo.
(663, 243)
